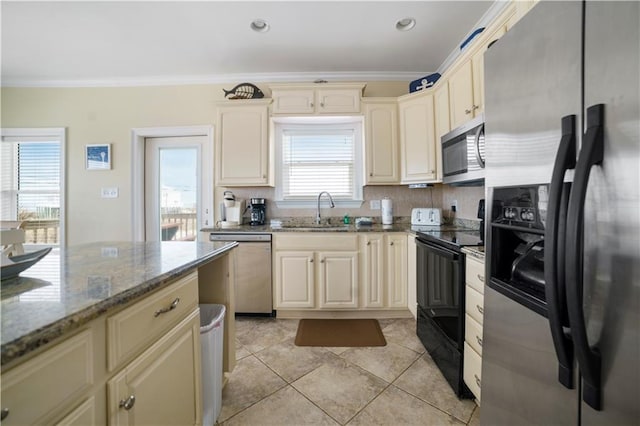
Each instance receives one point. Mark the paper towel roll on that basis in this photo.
(387, 211)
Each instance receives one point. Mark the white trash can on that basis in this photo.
(211, 343)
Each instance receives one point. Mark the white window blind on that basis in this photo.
(31, 185)
(314, 162)
(319, 157)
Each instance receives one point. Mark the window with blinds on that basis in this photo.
(31, 187)
(315, 158)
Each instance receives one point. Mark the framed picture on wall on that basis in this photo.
(98, 157)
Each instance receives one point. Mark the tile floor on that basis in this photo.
(278, 383)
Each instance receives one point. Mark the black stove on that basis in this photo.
(453, 239)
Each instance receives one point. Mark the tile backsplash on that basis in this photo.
(404, 199)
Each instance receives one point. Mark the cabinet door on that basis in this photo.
(242, 150)
(461, 105)
(396, 246)
(417, 140)
(372, 267)
(381, 143)
(412, 279)
(477, 62)
(84, 414)
(338, 279)
(293, 101)
(294, 275)
(332, 101)
(163, 385)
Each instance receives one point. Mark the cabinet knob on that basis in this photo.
(4, 414)
(322, 104)
(264, 176)
(171, 307)
(481, 278)
(475, 107)
(321, 260)
(310, 260)
(128, 403)
(311, 104)
(368, 243)
(479, 340)
(467, 111)
(391, 243)
(480, 309)
(370, 174)
(477, 380)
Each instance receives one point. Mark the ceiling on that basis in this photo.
(136, 43)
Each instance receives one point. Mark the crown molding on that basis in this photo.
(292, 77)
(489, 16)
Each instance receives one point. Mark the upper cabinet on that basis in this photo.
(461, 103)
(381, 141)
(417, 138)
(325, 98)
(243, 156)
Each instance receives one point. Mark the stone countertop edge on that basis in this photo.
(11, 351)
(267, 229)
(474, 251)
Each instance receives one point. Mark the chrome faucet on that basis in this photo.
(318, 212)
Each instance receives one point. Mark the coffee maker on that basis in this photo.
(258, 211)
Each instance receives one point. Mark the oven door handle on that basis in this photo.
(589, 359)
(452, 255)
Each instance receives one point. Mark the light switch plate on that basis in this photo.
(109, 192)
(374, 204)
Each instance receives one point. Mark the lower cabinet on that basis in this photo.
(474, 312)
(338, 271)
(162, 385)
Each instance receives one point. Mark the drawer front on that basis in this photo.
(473, 334)
(475, 274)
(472, 370)
(325, 241)
(40, 388)
(474, 304)
(85, 414)
(136, 327)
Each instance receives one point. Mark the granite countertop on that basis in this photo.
(477, 252)
(70, 287)
(268, 229)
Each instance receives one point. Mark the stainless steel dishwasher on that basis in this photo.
(253, 271)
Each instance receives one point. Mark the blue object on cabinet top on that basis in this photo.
(471, 37)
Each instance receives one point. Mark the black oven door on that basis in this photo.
(440, 292)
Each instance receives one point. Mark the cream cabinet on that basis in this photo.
(372, 268)
(382, 166)
(477, 62)
(162, 385)
(461, 103)
(338, 279)
(417, 138)
(396, 264)
(294, 274)
(315, 271)
(474, 312)
(327, 98)
(384, 270)
(50, 385)
(243, 153)
(412, 275)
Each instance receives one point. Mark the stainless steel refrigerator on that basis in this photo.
(561, 330)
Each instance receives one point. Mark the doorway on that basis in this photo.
(172, 183)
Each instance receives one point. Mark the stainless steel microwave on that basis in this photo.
(463, 154)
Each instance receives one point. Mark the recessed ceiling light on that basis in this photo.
(405, 24)
(260, 26)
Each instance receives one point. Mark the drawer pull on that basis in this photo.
(479, 340)
(467, 111)
(128, 403)
(4, 414)
(171, 307)
(480, 309)
(481, 278)
(477, 380)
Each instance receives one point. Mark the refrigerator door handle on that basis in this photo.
(555, 248)
(589, 360)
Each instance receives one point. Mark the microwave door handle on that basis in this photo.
(555, 247)
(477, 139)
(589, 359)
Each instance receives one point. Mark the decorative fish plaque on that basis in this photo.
(244, 91)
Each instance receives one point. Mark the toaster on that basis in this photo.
(424, 216)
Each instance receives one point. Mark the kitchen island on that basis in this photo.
(93, 321)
